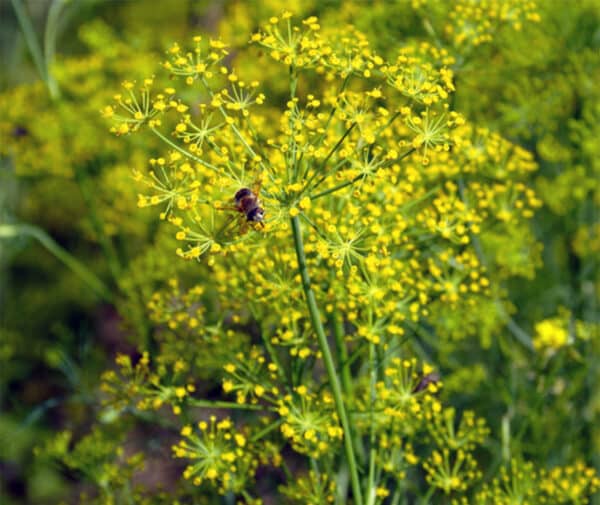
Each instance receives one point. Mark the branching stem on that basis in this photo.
(358, 177)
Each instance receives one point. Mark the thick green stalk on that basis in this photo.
(334, 381)
(344, 364)
(371, 491)
(338, 331)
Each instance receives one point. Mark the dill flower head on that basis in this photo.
(521, 482)
(145, 387)
(516, 483)
(571, 483)
(311, 487)
(451, 471)
(551, 334)
(405, 396)
(251, 378)
(297, 46)
(135, 108)
(310, 423)
(218, 455)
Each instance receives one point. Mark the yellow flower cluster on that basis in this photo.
(293, 45)
(251, 378)
(451, 471)
(142, 387)
(522, 483)
(310, 423)
(569, 484)
(473, 23)
(405, 399)
(453, 466)
(400, 200)
(218, 455)
(311, 488)
(180, 309)
(334, 141)
(198, 63)
(551, 334)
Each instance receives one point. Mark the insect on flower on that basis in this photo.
(247, 203)
(426, 380)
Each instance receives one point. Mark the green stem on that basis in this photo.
(10, 231)
(263, 335)
(372, 451)
(428, 495)
(347, 386)
(337, 188)
(334, 381)
(30, 38)
(34, 47)
(50, 43)
(338, 331)
(332, 112)
(105, 241)
(183, 151)
(232, 126)
(358, 177)
(396, 496)
(291, 141)
(505, 440)
(246, 496)
(267, 430)
(321, 168)
(209, 404)
(273, 355)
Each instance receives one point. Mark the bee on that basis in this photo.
(248, 206)
(247, 203)
(426, 380)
